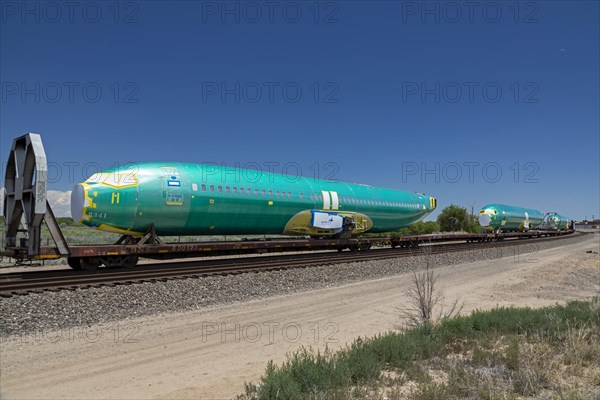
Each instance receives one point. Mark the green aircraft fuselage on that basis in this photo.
(201, 199)
(502, 217)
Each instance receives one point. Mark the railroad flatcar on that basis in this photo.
(201, 199)
(505, 218)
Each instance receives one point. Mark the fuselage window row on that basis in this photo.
(289, 195)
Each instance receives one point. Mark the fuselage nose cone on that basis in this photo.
(77, 202)
(484, 219)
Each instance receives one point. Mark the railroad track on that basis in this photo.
(35, 282)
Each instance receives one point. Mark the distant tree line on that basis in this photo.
(421, 228)
(66, 221)
(62, 221)
(452, 219)
(456, 218)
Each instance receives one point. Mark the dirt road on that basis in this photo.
(210, 353)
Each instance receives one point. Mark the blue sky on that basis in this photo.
(492, 102)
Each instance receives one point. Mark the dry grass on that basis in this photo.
(505, 353)
(426, 304)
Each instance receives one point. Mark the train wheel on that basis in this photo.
(130, 261)
(90, 264)
(74, 262)
(127, 261)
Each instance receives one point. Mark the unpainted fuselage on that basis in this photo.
(199, 199)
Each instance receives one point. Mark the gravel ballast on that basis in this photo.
(50, 311)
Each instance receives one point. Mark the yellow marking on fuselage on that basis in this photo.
(104, 227)
(119, 184)
(90, 203)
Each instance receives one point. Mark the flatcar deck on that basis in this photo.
(220, 248)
